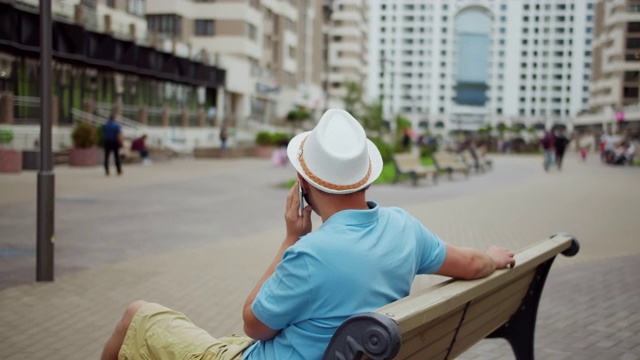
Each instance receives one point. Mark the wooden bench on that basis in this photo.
(447, 162)
(476, 159)
(471, 160)
(483, 159)
(445, 320)
(409, 164)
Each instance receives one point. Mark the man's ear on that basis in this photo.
(303, 183)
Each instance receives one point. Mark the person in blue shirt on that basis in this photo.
(112, 134)
(362, 257)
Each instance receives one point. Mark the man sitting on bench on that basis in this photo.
(362, 257)
(139, 145)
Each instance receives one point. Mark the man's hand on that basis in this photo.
(297, 225)
(502, 257)
(467, 263)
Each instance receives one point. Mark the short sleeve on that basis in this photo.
(431, 250)
(285, 296)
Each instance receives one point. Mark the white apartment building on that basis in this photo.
(347, 48)
(269, 49)
(615, 77)
(459, 65)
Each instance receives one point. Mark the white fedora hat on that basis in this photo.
(336, 156)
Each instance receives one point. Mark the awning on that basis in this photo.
(73, 44)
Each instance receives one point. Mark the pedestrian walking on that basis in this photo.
(224, 135)
(547, 148)
(112, 134)
(560, 143)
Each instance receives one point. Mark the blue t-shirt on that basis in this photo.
(111, 130)
(357, 261)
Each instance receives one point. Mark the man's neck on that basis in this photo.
(349, 203)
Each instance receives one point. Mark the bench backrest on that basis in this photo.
(406, 161)
(445, 320)
(444, 158)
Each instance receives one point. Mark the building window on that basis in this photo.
(111, 3)
(170, 25)
(292, 52)
(204, 27)
(136, 7)
(630, 92)
(252, 31)
(633, 27)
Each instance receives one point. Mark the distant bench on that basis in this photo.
(448, 163)
(408, 164)
(445, 320)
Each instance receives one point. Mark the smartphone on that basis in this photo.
(301, 197)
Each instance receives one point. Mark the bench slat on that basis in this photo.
(478, 327)
(514, 293)
(438, 351)
(433, 338)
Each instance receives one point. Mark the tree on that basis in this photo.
(298, 115)
(373, 119)
(353, 99)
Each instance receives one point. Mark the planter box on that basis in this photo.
(264, 152)
(84, 157)
(10, 161)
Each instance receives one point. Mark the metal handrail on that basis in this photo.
(100, 120)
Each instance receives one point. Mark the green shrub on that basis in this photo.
(428, 150)
(279, 138)
(84, 136)
(298, 115)
(263, 138)
(387, 174)
(386, 151)
(100, 136)
(6, 136)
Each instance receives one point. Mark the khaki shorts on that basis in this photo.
(157, 332)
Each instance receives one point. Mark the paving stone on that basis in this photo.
(191, 235)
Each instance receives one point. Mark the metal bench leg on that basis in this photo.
(414, 178)
(519, 331)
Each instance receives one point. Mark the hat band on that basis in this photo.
(326, 184)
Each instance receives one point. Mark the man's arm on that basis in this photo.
(467, 263)
(297, 226)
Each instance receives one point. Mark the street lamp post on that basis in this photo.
(46, 178)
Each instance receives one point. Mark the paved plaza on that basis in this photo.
(196, 235)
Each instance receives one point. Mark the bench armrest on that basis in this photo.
(374, 335)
